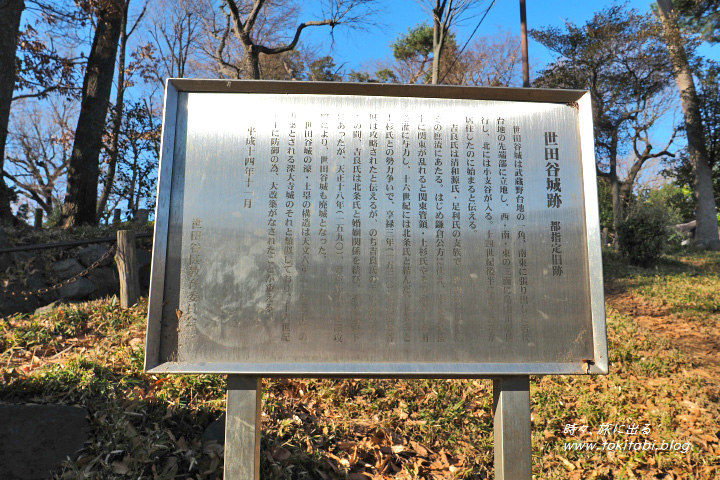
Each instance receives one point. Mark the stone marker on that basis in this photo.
(35, 439)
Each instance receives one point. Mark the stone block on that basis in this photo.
(65, 269)
(91, 253)
(35, 439)
(77, 290)
(105, 280)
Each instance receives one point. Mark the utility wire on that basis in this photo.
(468, 41)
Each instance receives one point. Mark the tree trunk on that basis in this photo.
(615, 196)
(84, 170)
(117, 119)
(439, 33)
(706, 234)
(617, 207)
(10, 13)
(253, 62)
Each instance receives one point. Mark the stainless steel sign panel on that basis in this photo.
(413, 234)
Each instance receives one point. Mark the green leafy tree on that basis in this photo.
(706, 233)
(702, 17)
(384, 75)
(618, 58)
(677, 200)
(680, 168)
(413, 58)
(324, 70)
(446, 14)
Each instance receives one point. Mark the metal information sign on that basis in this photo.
(376, 230)
(328, 229)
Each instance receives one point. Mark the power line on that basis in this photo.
(468, 41)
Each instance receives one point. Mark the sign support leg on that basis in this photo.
(242, 428)
(511, 418)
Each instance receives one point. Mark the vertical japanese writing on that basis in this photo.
(271, 251)
(390, 276)
(356, 224)
(372, 278)
(422, 176)
(289, 241)
(522, 268)
(502, 163)
(487, 169)
(423, 266)
(306, 197)
(554, 198)
(406, 228)
(457, 275)
(424, 300)
(505, 235)
(490, 284)
(507, 278)
(373, 165)
(556, 243)
(455, 230)
(552, 167)
(307, 166)
(275, 149)
(439, 220)
(470, 172)
(373, 271)
(390, 160)
(340, 154)
(323, 186)
(193, 271)
(249, 166)
(454, 160)
(390, 246)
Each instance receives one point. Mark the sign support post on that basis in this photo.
(242, 428)
(511, 419)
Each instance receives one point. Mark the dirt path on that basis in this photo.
(699, 342)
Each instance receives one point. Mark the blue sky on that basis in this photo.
(356, 48)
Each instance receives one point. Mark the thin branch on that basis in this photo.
(293, 44)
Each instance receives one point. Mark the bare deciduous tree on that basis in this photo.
(10, 12)
(117, 113)
(245, 22)
(173, 39)
(494, 60)
(80, 205)
(39, 150)
(446, 14)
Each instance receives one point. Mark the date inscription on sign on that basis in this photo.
(357, 230)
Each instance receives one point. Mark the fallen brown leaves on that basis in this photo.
(699, 341)
(663, 373)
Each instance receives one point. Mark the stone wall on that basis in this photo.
(33, 272)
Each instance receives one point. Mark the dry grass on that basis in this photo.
(146, 426)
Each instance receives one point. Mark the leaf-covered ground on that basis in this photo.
(664, 386)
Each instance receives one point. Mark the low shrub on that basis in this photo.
(645, 234)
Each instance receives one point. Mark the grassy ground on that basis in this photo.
(665, 380)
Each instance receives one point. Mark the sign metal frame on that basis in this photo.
(156, 363)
